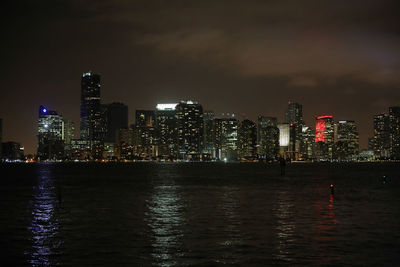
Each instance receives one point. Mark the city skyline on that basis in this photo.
(251, 59)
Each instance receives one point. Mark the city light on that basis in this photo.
(320, 130)
(166, 106)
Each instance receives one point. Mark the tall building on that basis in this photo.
(394, 120)
(324, 137)
(50, 134)
(247, 140)
(69, 132)
(189, 116)
(381, 144)
(347, 141)
(306, 143)
(92, 126)
(210, 146)
(147, 135)
(145, 118)
(125, 142)
(284, 139)
(115, 117)
(228, 138)
(294, 113)
(166, 124)
(267, 138)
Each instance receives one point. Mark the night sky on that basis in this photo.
(339, 58)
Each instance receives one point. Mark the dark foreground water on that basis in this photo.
(142, 214)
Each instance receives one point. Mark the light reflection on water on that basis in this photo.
(44, 223)
(165, 220)
(285, 226)
(231, 236)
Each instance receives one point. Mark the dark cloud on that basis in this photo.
(336, 57)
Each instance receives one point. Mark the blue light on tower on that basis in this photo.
(44, 110)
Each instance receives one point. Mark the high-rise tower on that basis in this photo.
(190, 128)
(294, 113)
(92, 128)
(324, 137)
(50, 134)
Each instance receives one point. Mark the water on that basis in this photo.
(196, 214)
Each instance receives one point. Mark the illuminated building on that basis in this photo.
(306, 143)
(115, 117)
(91, 124)
(126, 144)
(210, 146)
(166, 124)
(294, 113)
(80, 150)
(381, 144)
(190, 128)
(247, 140)
(69, 133)
(324, 137)
(267, 138)
(145, 118)
(229, 138)
(50, 134)
(347, 141)
(394, 122)
(284, 139)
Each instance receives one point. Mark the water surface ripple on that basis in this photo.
(199, 214)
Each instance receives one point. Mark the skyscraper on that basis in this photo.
(284, 139)
(382, 140)
(166, 124)
(324, 137)
(306, 144)
(190, 128)
(147, 134)
(50, 134)
(394, 119)
(294, 113)
(347, 144)
(92, 126)
(247, 140)
(210, 146)
(267, 138)
(115, 117)
(229, 138)
(145, 118)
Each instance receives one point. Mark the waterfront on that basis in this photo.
(171, 214)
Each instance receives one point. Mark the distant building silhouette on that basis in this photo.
(115, 117)
(394, 120)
